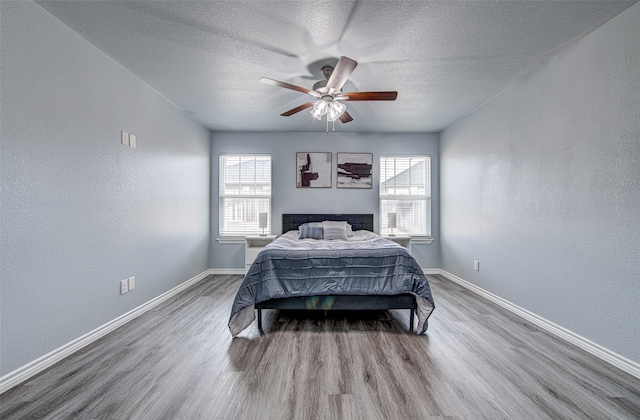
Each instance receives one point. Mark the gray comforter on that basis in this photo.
(365, 264)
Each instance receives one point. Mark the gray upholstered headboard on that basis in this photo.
(357, 221)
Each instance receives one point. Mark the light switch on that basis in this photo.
(125, 138)
(124, 286)
(132, 141)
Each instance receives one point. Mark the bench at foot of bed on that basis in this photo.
(342, 303)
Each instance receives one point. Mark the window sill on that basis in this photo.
(231, 240)
(419, 240)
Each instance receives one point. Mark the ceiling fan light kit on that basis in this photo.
(328, 93)
(330, 107)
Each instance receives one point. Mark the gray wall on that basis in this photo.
(542, 186)
(80, 211)
(286, 198)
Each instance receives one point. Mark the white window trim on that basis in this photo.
(230, 239)
(239, 237)
(415, 238)
(421, 240)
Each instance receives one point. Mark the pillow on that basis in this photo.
(349, 231)
(312, 224)
(335, 230)
(311, 232)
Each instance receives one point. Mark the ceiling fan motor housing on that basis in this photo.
(320, 86)
(328, 101)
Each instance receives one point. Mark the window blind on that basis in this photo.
(244, 193)
(405, 189)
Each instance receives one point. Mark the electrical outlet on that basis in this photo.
(132, 283)
(124, 286)
(125, 138)
(132, 141)
(476, 265)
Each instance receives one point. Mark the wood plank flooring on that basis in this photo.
(178, 361)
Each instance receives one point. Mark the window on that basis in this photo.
(405, 189)
(245, 192)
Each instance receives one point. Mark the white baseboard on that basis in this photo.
(25, 372)
(226, 271)
(587, 345)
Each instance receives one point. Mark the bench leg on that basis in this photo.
(260, 319)
(411, 315)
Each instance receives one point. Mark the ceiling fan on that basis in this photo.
(328, 93)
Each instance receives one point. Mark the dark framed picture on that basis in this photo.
(354, 170)
(313, 170)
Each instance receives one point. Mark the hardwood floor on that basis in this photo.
(178, 361)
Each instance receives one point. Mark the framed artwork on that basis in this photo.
(313, 170)
(354, 170)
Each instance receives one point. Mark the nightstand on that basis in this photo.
(253, 245)
(403, 240)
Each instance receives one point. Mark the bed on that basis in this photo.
(360, 272)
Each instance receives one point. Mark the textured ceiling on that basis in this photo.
(444, 58)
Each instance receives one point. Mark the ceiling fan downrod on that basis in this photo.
(326, 71)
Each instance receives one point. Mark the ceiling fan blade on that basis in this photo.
(272, 82)
(297, 109)
(371, 96)
(341, 73)
(345, 117)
